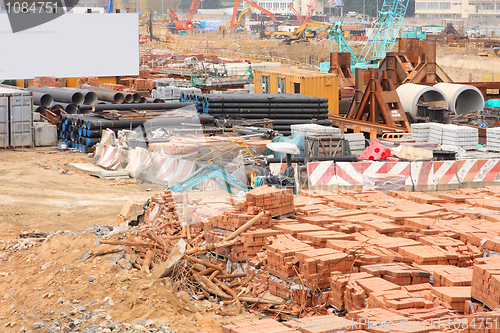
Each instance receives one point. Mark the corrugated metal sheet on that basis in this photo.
(310, 83)
(16, 122)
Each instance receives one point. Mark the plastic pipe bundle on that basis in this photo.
(283, 109)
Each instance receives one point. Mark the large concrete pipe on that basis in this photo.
(70, 108)
(42, 99)
(410, 94)
(105, 94)
(60, 95)
(462, 98)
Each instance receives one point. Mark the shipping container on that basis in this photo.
(299, 81)
(16, 121)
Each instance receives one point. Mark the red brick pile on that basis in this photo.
(399, 273)
(90, 80)
(270, 199)
(40, 81)
(115, 87)
(258, 326)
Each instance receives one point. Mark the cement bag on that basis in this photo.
(384, 182)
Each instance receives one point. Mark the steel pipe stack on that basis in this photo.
(283, 109)
(83, 131)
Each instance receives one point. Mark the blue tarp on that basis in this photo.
(297, 139)
(210, 25)
(495, 103)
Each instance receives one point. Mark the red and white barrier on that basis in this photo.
(422, 175)
(135, 158)
(350, 174)
(445, 175)
(108, 157)
(167, 168)
(184, 169)
(322, 174)
(478, 173)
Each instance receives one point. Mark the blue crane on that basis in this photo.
(110, 7)
(381, 39)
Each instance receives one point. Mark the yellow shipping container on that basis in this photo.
(299, 81)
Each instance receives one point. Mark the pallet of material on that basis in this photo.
(272, 200)
(258, 326)
(338, 284)
(453, 298)
(486, 284)
(315, 265)
(398, 273)
(429, 255)
(448, 276)
(294, 229)
(281, 255)
(319, 238)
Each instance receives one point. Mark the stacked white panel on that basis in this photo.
(493, 139)
(436, 133)
(420, 132)
(314, 129)
(460, 136)
(356, 141)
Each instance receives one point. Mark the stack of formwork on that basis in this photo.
(493, 139)
(315, 129)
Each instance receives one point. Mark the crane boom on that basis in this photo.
(265, 11)
(193, 7)
(310, 10)
(296, 13)
(386, 30)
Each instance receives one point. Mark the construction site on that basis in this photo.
(268, 167)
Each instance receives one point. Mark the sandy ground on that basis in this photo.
(40, 191)
(43, 286)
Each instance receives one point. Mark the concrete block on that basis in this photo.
(45, 134)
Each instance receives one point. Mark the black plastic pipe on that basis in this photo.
(263, 110)
(271, 105)
(145, 106)
(274, 116)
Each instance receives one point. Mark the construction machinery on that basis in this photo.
(494, 54)
(382, 38)
(254, 5)
(296, 13)
(302, 33)
(186, 23)
(239, 22)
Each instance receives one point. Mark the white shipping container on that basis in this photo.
(16, 122)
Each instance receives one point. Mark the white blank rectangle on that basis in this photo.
(72, 45)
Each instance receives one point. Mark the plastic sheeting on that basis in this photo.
(384, 182)
(297, 139)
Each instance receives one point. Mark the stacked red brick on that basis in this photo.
(270, 199)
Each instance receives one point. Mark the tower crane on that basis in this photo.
(381, 39)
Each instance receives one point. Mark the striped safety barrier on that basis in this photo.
(445, 175)
(422, 175)
(322, 174)
(475, 173)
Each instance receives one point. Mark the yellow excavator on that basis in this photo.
(239, 21)
(302, 33)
